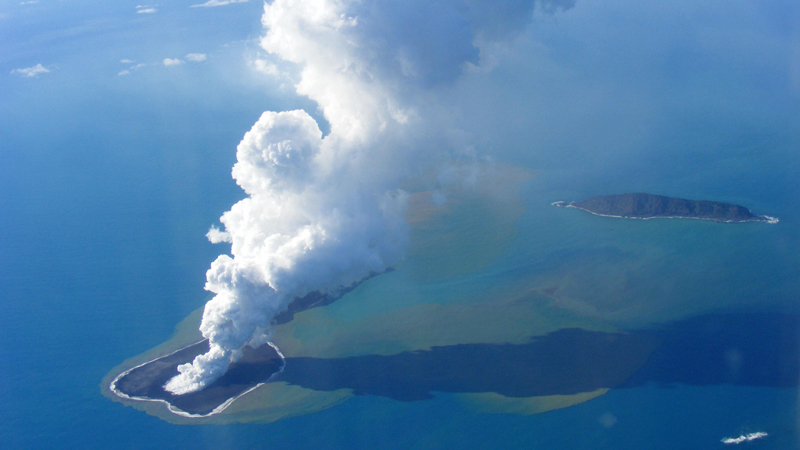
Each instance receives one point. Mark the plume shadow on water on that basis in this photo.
(741, 349)
(565, 362)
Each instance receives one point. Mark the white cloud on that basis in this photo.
(31, 2)
(215, 236)
(146, 9)
(213, 3)
(266, 67)
(134, 67)
(196, 57)
(31, 72)
(172, 62)
(126, 61)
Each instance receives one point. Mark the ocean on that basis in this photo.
(109, 183)
(95, 281)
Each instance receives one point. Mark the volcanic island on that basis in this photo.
(255, 367)
(649, 206)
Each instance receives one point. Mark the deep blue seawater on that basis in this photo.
(108, 184)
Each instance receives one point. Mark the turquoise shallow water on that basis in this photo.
(107, 188)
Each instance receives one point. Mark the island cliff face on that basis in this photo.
(649, 206)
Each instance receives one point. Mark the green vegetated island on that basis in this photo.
(649, 206)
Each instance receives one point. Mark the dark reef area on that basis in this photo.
(647, 206)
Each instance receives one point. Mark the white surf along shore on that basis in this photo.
(179, 412)
(744, 438)
(767, 219)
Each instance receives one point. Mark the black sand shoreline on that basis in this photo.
(146, 382)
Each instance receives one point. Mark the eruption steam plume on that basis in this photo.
(324, 212)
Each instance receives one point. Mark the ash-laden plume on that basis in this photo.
(324, 212)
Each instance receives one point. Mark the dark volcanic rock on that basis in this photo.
(147, 381)
(317, 299)
(256, 366)
(645, 206)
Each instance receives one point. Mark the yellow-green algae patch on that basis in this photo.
(466, 226)
(317, 332)
(274, 401)
(493, 403)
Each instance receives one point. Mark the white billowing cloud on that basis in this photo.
(305, 226)
(212, 3)
(31, 72)
(277, 152)
(172, 62)
(325, 212)
(126, 61)
(216, 236)
(196, 57)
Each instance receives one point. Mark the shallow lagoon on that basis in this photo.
(655, 283)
